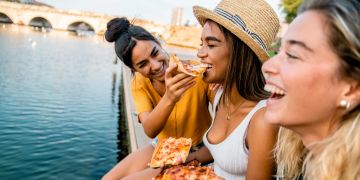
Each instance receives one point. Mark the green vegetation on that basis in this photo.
(290, 7)
(274, 47)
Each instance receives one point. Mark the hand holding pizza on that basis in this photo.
(176, 83)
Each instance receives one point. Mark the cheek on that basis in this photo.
(222, 61)
(310, 96)
(143, 71)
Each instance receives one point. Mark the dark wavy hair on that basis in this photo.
(244, 70)
(125, 34)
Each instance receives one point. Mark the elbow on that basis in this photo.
(151, 130)
(151, 134)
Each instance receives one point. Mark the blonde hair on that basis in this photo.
(337, 156)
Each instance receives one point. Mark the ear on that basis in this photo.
(351, 93)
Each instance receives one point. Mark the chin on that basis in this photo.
(271, 118)
(209, 79)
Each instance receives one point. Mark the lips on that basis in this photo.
(207, 66)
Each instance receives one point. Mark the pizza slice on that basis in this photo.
(190, 163)
(189, 173)
(170, 151)
(190, 67)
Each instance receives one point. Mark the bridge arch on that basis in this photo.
(5, 18)
(40, 22)
(81, 28)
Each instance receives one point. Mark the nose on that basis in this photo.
(156, 65)
(201, 53)
(270, 66)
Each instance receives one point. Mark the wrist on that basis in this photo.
(170, 100)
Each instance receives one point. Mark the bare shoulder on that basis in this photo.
(259, 128)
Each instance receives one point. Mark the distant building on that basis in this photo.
(176, 17)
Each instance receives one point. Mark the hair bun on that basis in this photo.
(115, 28)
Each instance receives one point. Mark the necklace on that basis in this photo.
(228, 114)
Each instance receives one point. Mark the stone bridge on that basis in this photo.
(47, 18)
(59, 19)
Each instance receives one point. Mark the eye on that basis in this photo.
(290, 56)
(142, 65)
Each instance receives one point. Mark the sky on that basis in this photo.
(158, 11)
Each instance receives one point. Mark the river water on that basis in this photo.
(59, 105)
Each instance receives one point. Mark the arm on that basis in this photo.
(261, 139)
(176, 84)
(203, 155)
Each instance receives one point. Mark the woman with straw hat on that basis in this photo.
(235, 37)
(315, 82)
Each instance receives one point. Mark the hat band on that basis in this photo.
(240, 23)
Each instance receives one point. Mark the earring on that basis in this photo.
(345, 104)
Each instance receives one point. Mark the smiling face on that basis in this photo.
(150, 60)
(214, 51)
(304, 78)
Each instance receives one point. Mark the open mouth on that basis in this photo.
(276, 93)
(207, 66)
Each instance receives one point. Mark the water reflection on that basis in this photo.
(59, 106)
(118, 102)
(123, 135)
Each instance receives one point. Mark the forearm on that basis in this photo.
(154, 121)
(203, 155)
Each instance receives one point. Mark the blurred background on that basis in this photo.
(61, 112)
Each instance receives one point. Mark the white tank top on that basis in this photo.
(231, 155)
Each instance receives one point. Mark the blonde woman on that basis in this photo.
(315, 86)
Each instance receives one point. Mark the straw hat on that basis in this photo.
(253, 21)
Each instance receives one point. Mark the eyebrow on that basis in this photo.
(299, 43)
(212, 38)
(154, 51)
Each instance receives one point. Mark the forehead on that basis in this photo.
(142, 50)
(310, 28)
(211, 29)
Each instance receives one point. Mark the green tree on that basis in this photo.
(290, 7)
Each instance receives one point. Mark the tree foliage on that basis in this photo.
(290, 7)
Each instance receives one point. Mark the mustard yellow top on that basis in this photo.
(190, 117)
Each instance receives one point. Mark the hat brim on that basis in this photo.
(202, 14)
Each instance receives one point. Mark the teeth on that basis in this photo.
(273, 89)
(205, 65)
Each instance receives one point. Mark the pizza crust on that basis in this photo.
(189, 67)
(189, 171)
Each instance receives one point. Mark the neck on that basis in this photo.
(316, 133)
(234, 97)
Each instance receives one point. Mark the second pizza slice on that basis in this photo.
(170, 151)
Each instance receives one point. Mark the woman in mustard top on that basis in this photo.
(169, 104)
